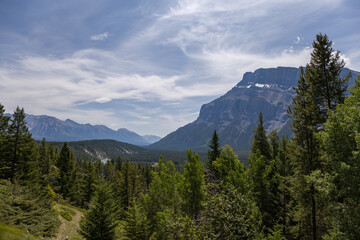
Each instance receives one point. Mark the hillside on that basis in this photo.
(105, 150)
(235, 114)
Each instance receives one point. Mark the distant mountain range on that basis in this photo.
(235, 114)
(54, 129)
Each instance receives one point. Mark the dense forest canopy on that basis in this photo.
(306, 187)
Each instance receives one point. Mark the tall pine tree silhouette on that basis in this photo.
(319, 89)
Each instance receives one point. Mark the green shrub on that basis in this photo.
(66, 215)
(67, 209)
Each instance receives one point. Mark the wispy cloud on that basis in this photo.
(52, 86)
(100, 37)
(153, 73)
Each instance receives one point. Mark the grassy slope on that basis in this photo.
(12, 233)
(67, 228)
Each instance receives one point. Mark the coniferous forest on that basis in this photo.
(303, 186)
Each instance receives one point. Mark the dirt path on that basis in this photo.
(68, 228)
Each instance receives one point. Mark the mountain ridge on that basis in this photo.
(54, 129)
(235, 114)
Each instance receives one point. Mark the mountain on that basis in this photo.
(151, 138)
(235, 115)
(54, 129)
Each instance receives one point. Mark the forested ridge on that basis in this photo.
(303, 187)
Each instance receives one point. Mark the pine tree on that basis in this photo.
(214, 151)
(21, 147)
(274, 141)
(319, 89)
(132, 183)
(323, 71)
(44, 160)
(66, 166)
(285, 172)
(99, 221)
(4, 125)
(90, 182)
(136, 223)
(260, 141)
(264, 188)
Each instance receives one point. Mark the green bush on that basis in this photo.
(67, 209)
(66, 215)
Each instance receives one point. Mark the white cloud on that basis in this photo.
(51, 85)
(103, 100)
(100, 37)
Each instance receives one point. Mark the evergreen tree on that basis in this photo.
(21, 147)
(99, 221)
(4, 125)
(264, 182)
(285, 173)
(214, 151)
(136, 223)
(264, 188)
(323, 72)
(65, 165)
(132, 183)
(319, 89)
(260, 141)
(118, 163)
(193, 193)
(274, 141)
(90, 182)
(44, 160)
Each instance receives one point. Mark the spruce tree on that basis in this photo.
(132, 183)
(136, 223)
(214, 151)
(21, 147)
(319, 89)
(264, 182)
(285, 173)
(99, 221)
(274, 141)
(44, 160)
(4, 125)
(90, 182)
(260, 141)
(323, 71)
(65, 165)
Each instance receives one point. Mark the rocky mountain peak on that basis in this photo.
(235, 114)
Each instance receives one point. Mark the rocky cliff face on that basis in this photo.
(235, 114)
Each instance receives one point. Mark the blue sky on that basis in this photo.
(149, 65)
